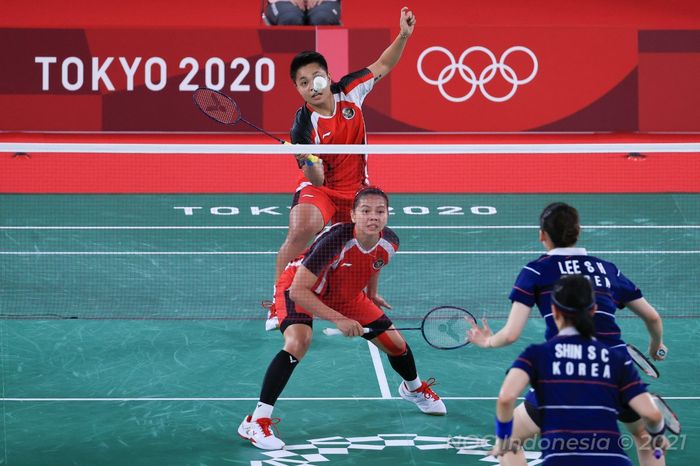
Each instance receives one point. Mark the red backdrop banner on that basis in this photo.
(451, 79)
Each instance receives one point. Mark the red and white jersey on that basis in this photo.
(343, 172)
(342, 266)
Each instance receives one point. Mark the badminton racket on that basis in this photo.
(642, 362)
(443, 327)
(223, 109)
(670, 419)
(671, 422)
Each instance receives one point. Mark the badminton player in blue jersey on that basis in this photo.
(581, 384)
(559, 232)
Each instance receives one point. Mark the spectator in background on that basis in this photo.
(303, 12)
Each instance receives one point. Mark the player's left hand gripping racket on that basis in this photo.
(443, 327)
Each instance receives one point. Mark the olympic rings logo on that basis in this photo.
(486, 75)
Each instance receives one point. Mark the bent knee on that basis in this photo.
(298, 346)
(393, 345)
(302, 233)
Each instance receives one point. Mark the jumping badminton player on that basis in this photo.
(336, 279)
(331, 114)
(581, 385)
(559, 232)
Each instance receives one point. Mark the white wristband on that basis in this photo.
(657, 429)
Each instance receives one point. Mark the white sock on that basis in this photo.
(261, 411)
(413, 385)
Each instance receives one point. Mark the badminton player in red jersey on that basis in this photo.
(336, 279)
(331, 114)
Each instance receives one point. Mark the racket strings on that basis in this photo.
(217, 106)
(446, 328)
(670, 418)
(642, 362)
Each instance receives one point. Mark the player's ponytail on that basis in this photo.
(583, 322)
(573, 295)
(561, 222)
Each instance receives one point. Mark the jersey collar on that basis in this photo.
(568, 331)
(567, 252)
(320, 115)
(359, 245)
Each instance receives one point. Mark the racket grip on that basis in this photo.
(335, 331)
(658, 453)
(661, 353)
(311, 160)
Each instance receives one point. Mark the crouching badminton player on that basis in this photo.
(336, 279)
(581, 385)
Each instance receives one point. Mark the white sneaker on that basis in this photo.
(259, 433)
(272, 322)
(424, 397)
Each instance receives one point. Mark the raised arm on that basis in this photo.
(390, 57)
(655, 327)
(485, 338)
(301, 292)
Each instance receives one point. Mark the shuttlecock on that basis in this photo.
(320, 83)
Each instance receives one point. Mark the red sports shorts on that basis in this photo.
(361, 308)
(335, 206)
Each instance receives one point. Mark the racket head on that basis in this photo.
(670, 418)
(445, 327)
(642, 362)
(217, 106)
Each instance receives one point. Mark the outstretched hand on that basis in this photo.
(479, 336)
(380, 302)
(407, 22)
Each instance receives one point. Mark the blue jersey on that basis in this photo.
(581, 386)
(612, 289)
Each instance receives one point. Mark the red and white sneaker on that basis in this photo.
(424, 397)
(260, 434)
(272, 322)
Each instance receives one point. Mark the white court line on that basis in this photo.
(542, 252)
(379, 370)
(255, 253)
(369, 398)
(269, 149)
(393, 227)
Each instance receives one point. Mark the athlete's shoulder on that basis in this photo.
(348, 82)
(531, 355)
(389, 241)
(327, 246)
(302, 126)
(608, 265)
(537, 265)
(338, 232)
(391, 236)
